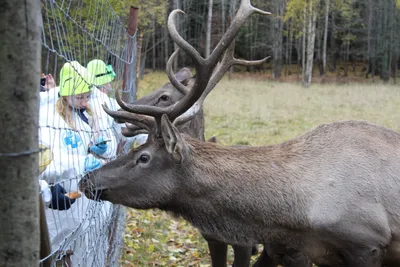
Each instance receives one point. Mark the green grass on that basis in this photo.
(263, 112)
(251, 112)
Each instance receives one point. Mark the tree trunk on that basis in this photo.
(310, 44)
(223, 17)
(277, 24)
(331, 53)
(153, 22)
(166, 50)
(304, 43)
(290, 46)
(371, 41)
(325, 37)
(208, 33)
(232, 11)
(287, 50)
(19, 111)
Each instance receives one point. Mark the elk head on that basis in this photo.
(169, 95)
(152, 175)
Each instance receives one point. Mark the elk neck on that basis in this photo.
(238, 183)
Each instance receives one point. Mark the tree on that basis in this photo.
(345, 31)
(304, 13)
(324, 46)
(312, 17)
(19, 115)
(208, 33)
(277, 40)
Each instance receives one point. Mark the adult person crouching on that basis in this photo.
(81, 141)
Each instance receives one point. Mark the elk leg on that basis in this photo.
(264, 260)
(242, 256)
(363, 258)
(280, 255)
(254, 250)
(296, 259)
(218, 251)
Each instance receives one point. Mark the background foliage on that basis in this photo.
(359, 32)
(347, 33)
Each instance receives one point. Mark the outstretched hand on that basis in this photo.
(59, 201)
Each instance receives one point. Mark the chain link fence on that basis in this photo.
(86, 54)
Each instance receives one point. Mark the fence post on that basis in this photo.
(20, 50)
(45, 247)
(129, 92)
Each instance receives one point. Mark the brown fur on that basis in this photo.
(332, 193)
(195, 129)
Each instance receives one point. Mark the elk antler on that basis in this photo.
(172, 78)
(141, 121)
(204, 72)
(132, 130)
(227, 61)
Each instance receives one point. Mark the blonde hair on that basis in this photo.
(65, 111)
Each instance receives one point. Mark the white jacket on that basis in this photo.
(78, 227)
(49, 97)
(126, 143)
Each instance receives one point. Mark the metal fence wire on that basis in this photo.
(86, 54)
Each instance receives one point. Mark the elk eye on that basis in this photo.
(144, 158)
(164, 98)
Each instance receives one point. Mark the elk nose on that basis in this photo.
(83, 183)
(86, 186)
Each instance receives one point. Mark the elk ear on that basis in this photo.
(183, 75)
(173, 140)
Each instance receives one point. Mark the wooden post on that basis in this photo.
(45, 248)
(126, 83)
(20, 50)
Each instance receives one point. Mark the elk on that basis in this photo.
(331, 194)
(168, 95)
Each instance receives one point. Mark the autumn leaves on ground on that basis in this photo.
(251, 112)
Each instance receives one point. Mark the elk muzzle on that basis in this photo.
(89, 188)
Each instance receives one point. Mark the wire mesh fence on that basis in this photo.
(86, 54)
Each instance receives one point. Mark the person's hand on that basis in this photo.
(100, 147)
(50, 83)
(91, 163)
(59, 201)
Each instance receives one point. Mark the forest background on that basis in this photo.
(323, 40)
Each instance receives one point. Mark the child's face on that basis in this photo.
(78, 101)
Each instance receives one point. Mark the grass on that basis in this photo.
(251, 112)
(262, 112)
